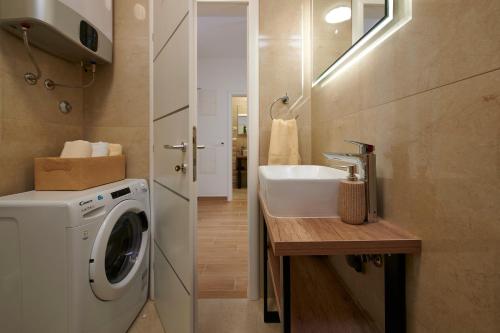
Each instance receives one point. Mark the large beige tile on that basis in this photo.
(131, 19)
(117, 105)
(30, 122)
(432, 50)
(14, 60)
(280, 19)
(280, 74)
(135, 141)
(438, 176)
(120, 95)
(232, 315)
(37, 104)
(215, 315)
(147, 321)
(21, 142)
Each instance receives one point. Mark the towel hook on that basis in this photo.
(284, 99)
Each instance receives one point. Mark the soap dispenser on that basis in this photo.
(352, 199)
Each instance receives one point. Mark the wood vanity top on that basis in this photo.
(292, 236)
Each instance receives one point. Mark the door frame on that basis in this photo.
(253, 292)
(230, 140)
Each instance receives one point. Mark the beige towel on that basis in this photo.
(284, 146)
(115, 149)
(76, 149)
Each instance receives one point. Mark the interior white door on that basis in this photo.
(174, 163)
(212, 132)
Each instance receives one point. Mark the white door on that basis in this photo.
(174, 163)
(213, 122)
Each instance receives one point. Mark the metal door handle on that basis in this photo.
(182, 167)
(182, 147)
(201, 147)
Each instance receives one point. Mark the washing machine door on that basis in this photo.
(119, 250)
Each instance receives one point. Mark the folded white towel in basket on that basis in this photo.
(100, 149)
(77, 149)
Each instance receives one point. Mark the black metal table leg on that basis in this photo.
(395, 293)
(239, 166)
(286, 314)
(269, 316)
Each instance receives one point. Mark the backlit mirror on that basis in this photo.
(338, 25)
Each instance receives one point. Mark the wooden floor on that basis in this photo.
(223, 246)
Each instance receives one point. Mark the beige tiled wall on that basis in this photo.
(285, 68)
(117, 105)
(429, 99)
(115, 108)
(30, 122)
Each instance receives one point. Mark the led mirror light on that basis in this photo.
(338, 14)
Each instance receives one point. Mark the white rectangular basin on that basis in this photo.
(300, 190)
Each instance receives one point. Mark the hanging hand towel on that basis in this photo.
(100, 149)
(284, 146)
(77, 149)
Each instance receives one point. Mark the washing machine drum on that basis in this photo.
(119, 250)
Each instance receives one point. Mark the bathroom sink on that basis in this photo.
(300, 190)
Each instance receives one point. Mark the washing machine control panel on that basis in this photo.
(120, 193)
(98, 202)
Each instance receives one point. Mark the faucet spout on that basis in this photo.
(356, 159)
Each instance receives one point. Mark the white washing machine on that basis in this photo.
(74, 261)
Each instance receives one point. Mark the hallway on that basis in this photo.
(223, 246)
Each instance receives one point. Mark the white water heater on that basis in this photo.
(75, 30)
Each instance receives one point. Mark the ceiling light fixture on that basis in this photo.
(338, 14)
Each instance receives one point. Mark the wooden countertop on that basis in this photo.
(292, 236)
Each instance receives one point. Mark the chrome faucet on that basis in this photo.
(365, 162)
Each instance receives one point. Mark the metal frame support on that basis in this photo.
(286, 288)
(395, 293)
(286, 295)
(269, 316)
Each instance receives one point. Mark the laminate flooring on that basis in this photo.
(223, 246)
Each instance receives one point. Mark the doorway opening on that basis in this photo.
(239, 132)
(222, 128)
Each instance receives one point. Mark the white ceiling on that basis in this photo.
(222, 30)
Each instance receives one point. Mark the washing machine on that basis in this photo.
(74, 262)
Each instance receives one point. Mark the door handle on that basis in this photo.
(201, 147)
(182, 147)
